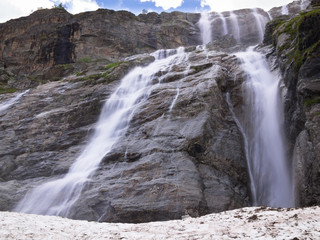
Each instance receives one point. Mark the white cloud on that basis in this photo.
(19, 8)
(227, 5)
(166, 4)
(77, 6)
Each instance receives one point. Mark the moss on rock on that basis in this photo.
(304, 37)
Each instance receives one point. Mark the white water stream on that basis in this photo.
(304, 4)
(270, 171)
(205, 28)
(224, 23)
(56, 197)
(284, 10)
(235, 29)
(179, 84)
(261, 22)
(7, 104)
(271, 182)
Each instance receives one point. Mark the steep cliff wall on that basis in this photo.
(297, 49)
(33, 48)
(186, 158)
(53, 36)
(183, 152)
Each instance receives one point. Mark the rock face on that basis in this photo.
(293, 8)
(189, 160)
(53, 36)
(245, 25)
(296, 47)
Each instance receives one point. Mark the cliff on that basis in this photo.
(297, 51)
(183, 152)
(36, 48)
(53, 36)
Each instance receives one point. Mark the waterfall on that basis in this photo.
(224, 23)
(261, 123)
(205, 28)
(246, 146)
(6, 104)
(235, 26)
(285, 10)
(56, 197)
(175, 99)
(185, 73)
(304, 4)
(261, 22)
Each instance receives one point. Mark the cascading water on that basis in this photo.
(304, 4)
(6, 104)
(261, 22)
(285, 10)
(224, 23)
(205, 28)
(270, 172)
(56, 197)
(235, 26)
(178, 87)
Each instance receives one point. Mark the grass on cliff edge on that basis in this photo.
(309, 102)
(304, 33)
(7, 90)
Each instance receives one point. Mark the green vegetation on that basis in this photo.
(60, 6)
(91, 77)
(43, 37)
(85, 60)
(309, 102)
(67, 66)
(111, 66)
(4, 90)
(35, 78)
(196, 68)
(81, 73)
(201, 67)
(304, 37)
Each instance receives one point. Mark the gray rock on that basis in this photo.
(169, 163)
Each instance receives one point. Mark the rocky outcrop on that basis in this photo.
(33, 47)
(245, 25)
(53, 36)
(293, 8)
(189, 160)
(297, 48)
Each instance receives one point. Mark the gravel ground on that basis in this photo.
(246, 223)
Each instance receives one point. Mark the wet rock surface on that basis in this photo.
(296, 50)
(293, 9)
(183, 152)
(185, 158)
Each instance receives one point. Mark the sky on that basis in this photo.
(17, 8)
